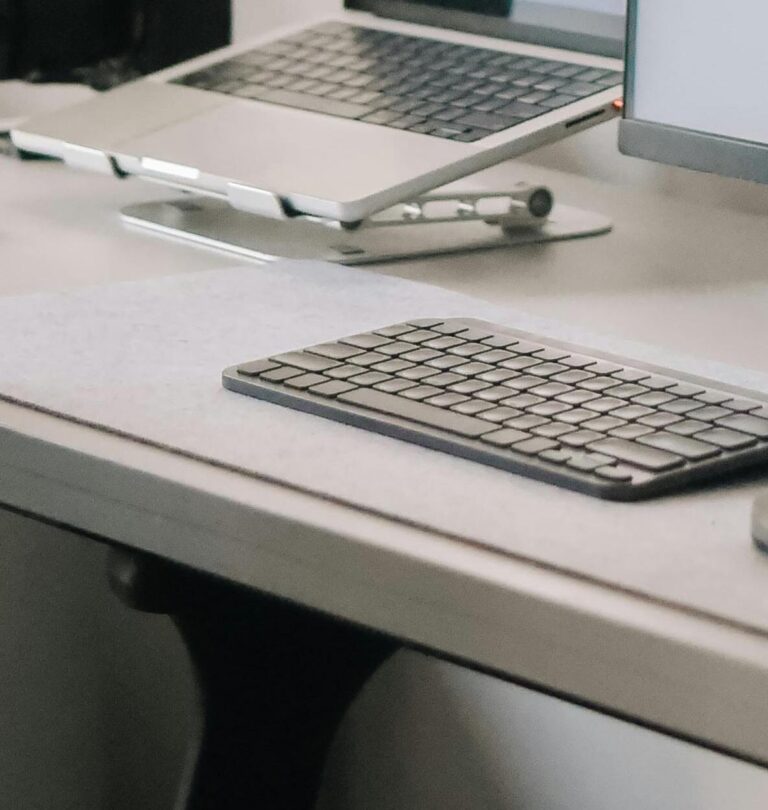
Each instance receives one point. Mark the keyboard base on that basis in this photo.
(215, 224)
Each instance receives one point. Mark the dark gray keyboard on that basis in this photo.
(544, 409)
(421, 85)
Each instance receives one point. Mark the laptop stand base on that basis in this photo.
(214, 223)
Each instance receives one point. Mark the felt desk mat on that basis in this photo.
(144, 359)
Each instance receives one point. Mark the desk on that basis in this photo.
(696, 666)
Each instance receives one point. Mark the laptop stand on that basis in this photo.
(436, 223)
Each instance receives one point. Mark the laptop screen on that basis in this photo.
(594, 26)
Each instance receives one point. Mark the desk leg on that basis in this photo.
(274, 681)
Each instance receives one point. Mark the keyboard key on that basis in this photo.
(728, 439)
(577, 397)
(473, 406)
(447, 400)
(681, 445)
(522, 383)
(445, 362)
(473, 368)
(467, 349)
(394, 386)
(416, 372)
(506, 437)
(395, 348)
(549, 408)
(367, 359)
(280, 374)
(711, 412)
(631, 431)
(680, 405)
(304, 101)
(713, 397)
(575, 417)
(367, 341)
(657, 420)
(497, 375)
(555, 456)
(306, 380)
(527, 422)
(628, 391)
(469, 387)
(390, 366)
(332, 388)
(688, 427)
(519, 363)
(522, 401)
(653, 399)
(421, 355)
(586, 462)
(494, 356)
(336, 351)
(648, 458)
(753, 425)
(604, 404)
(603, 423)
(394, 331)
(445, 379)
(370, 378)
(343, 372)
(599, 384)
(256, 367)
(581, 438)
(493, 394)
(553, 430)
(418, 412)
(501, 414)
(487, 121)
(304, 360)
(742, 405)
(534, 446)
(421, 392)
(617, 473)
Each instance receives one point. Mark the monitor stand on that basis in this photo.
(425, 226)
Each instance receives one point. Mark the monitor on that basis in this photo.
(594, 26)
(695, 85)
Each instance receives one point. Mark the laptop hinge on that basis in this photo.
(92, 160)
(256, 201)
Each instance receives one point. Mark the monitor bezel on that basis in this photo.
(571, 29)
(678, 146)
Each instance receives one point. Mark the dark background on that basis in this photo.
(103, 41)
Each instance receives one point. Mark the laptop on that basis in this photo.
(340, 119)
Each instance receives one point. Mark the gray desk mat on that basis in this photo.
(144, 359)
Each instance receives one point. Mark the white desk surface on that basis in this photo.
(690, 278)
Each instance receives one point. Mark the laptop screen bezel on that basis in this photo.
(536, 23)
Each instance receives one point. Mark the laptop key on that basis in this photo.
(487, 121)
(319, 104)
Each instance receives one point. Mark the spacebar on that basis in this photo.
(418, 412)
(330, 106)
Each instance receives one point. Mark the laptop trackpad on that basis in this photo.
(296, 152)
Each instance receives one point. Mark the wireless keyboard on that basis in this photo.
(560, 413)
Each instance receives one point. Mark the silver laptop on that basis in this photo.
(343, 118)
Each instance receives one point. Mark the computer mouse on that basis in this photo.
(760, 522)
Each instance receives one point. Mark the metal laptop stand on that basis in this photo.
(432, 224)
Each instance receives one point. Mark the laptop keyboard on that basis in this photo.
(540, 408)
(427, 86)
